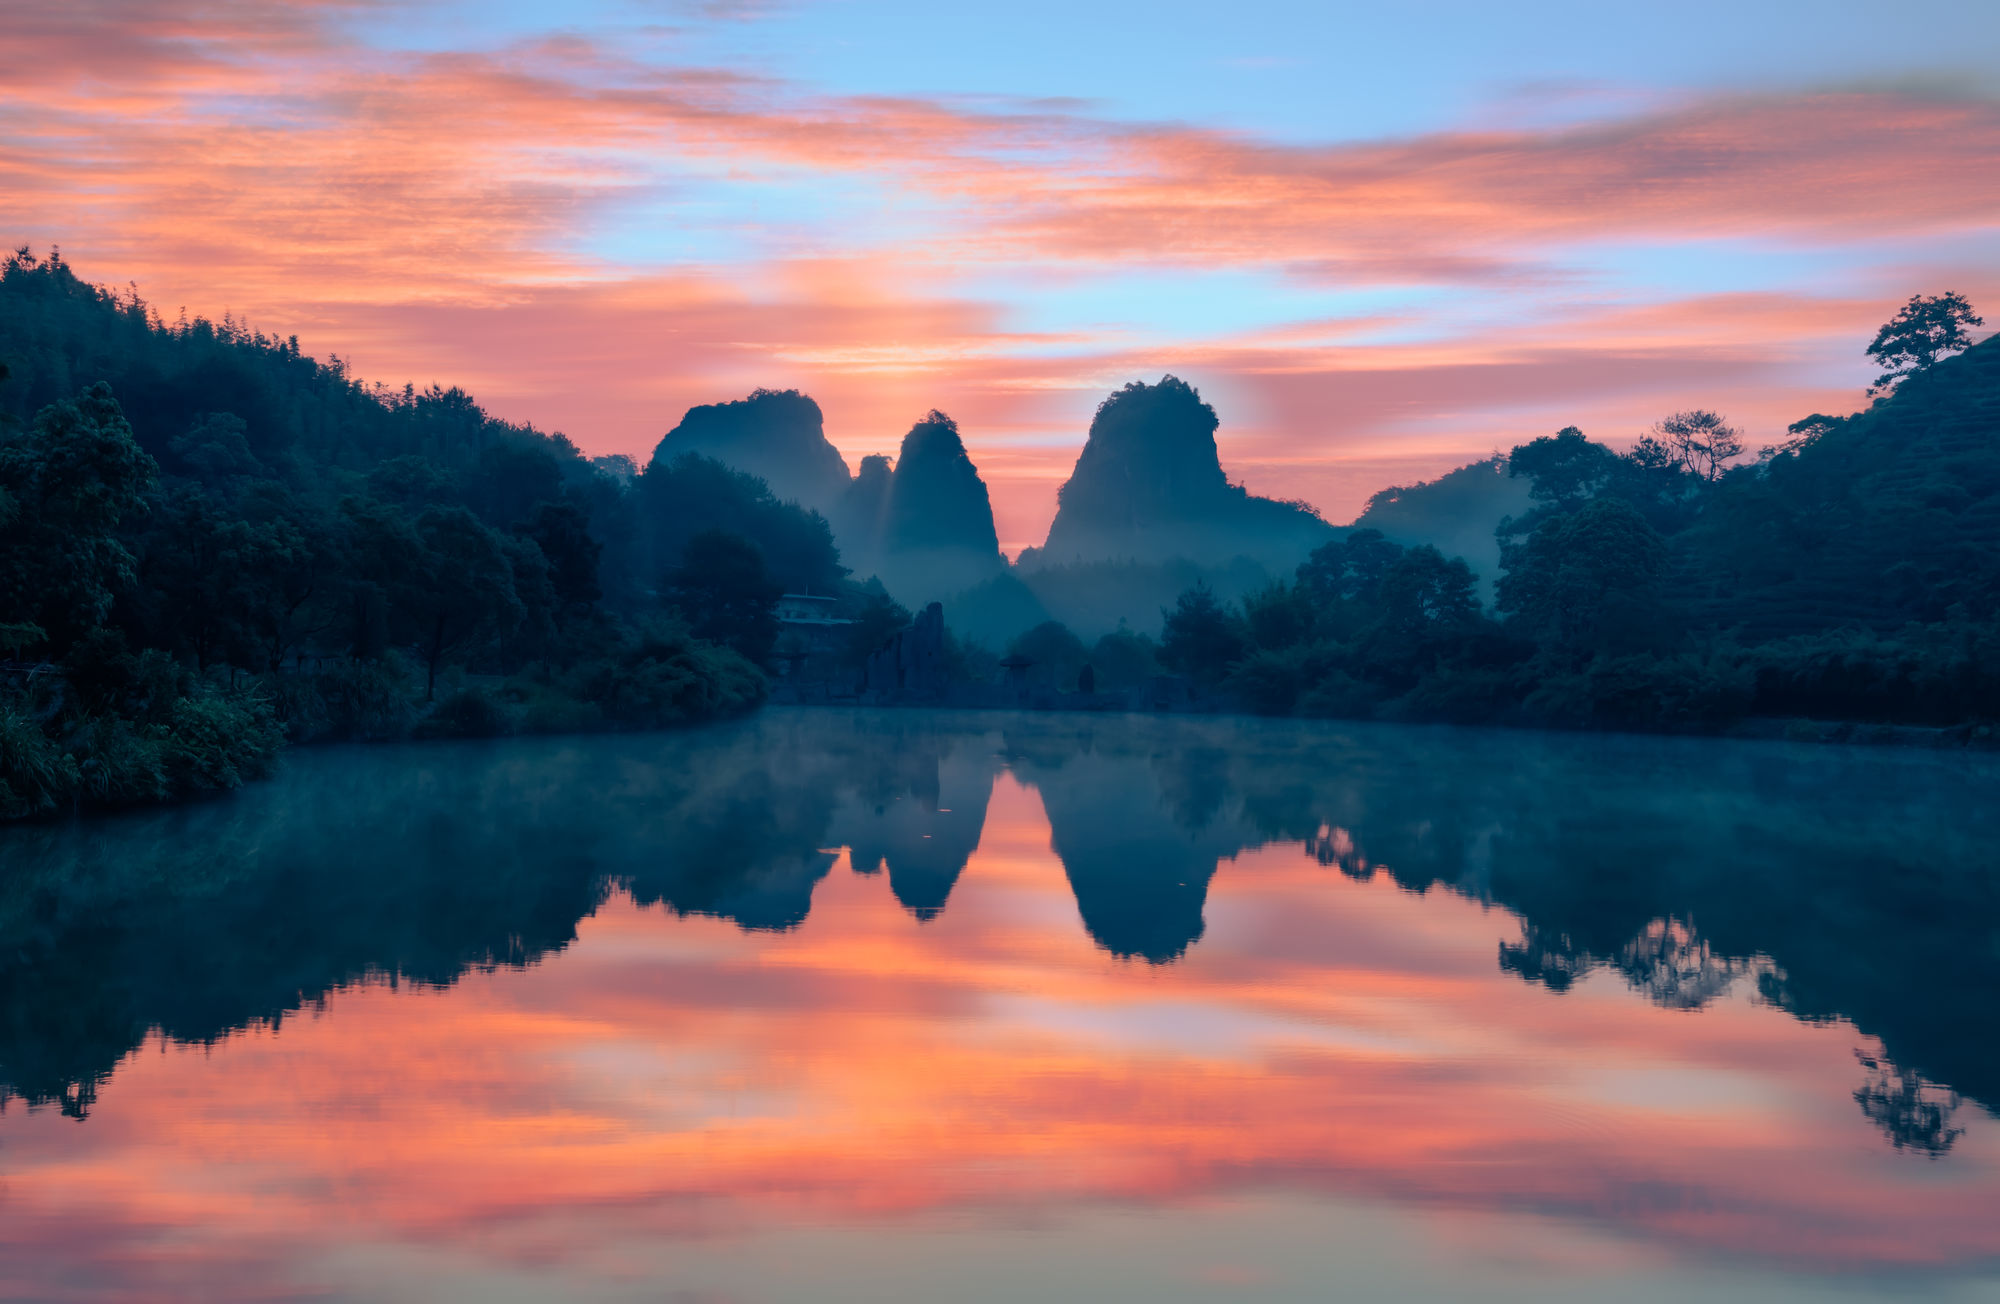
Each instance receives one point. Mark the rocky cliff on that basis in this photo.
(1149, 486)
(778, 435)
(927, 526)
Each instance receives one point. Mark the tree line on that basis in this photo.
(211, 543)
(1850, 573)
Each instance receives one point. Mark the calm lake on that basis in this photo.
(840, 1006)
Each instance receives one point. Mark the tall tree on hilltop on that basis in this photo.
(1927, 328)
(1701, 441)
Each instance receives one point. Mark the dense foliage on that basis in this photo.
(1850, 574)
(210, 541)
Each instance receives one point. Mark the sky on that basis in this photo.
(1382, 240)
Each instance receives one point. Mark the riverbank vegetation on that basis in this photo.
(1850, 574)
(211, 544)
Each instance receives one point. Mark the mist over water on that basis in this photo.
(831, 1004)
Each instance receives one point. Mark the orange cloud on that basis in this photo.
(436, 217)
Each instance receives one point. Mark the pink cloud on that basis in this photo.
(423, 216)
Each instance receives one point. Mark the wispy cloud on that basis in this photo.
(421, 212)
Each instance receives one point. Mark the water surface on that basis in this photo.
(852, 1006)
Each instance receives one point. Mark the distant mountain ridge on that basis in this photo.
(922, 524)
(1148, 490)
(1457, 514)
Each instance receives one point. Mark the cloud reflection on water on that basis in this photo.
(1290, 974)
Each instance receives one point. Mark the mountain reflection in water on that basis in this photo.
(1853, 890)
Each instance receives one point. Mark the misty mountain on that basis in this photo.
(777, 435)
(1457, 514)
(858, 516)
(1149, 486)
(922, 524)
(925, 527)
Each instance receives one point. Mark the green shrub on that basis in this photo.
(544, 709)
(1339, 696)
(466, 713)
(1273, 682)
(667, 677)
(217, 742)
(55, 760)
(1475, 696)
(37, 777)
(119, 763)
(1942, 675)
(298, 706)
(368, 701)
(1644, 692)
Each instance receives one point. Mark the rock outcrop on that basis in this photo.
(778, 435)
(1149, 486)
(926, 528)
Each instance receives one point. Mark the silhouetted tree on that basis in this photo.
(199, 563)
(1202, 638)
(460, 588)
(1124, 659)
(1278, 617)
(1587, 581)
(726, 593)
(1341, 581)
(690, 494)
(1057, 653)
(511, 478)
(875, 616)
(301, 515)
(1564, 469)
(1425, 594)
(216, 448)
(562, 532)
(412, 482)
(1922, 331)
(1805, 432)
(65, 487)
(1913, 1114)
(296, 571)
(1349, 569)
(1700, 441)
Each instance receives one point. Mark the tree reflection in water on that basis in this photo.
(1840, 883)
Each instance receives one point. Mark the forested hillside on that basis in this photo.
(1850, 574)
(210, 542)
(1873, 521)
